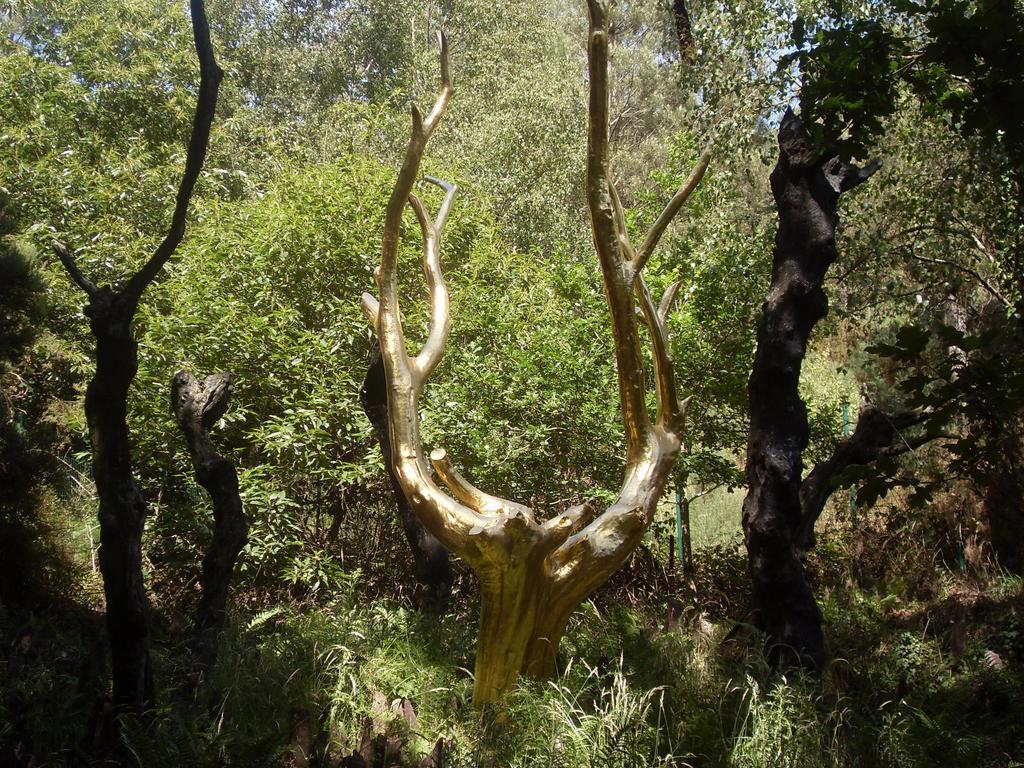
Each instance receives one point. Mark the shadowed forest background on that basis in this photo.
(905, 523)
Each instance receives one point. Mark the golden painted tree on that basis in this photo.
(534, 573)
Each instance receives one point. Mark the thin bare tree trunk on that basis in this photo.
(197, 406)
(122, 511)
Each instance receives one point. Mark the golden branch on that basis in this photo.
(668, 298)
(672, 208)
(469, 494)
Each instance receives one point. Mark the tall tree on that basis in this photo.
(122, 510)
(806, 186)
(533, 574)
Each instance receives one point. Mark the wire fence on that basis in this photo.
(76, 480)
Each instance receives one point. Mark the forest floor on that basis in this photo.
(927, 669)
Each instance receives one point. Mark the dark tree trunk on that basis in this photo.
(197, 406)
(684, 29)
(686, 536)
(806, 187)
(1004, 502)
(877, 434)
(431, 564)
(122, 512)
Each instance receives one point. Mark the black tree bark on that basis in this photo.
(806, 186)
(877, 434)
(122, 508)
(684, 29)
(431, 564)
(122, 512)
(197, 406)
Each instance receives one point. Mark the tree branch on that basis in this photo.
(447, 519)
(446, 90)
(616, 266)
(628, 254)
(707, 491)
(210, 76)
(664, 374)
(588, 557)
(368, 304)
(992, 290)
(673, 207)
(446, 204)
(72, 269)
(581, 515)
(440, 318)
(668, 298)
(877, 434)
(908, 444)
(469, 494)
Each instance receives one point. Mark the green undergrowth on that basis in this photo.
(918, 677)
(918, 684)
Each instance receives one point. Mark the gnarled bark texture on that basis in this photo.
(431, 564)
(197, 405)
(534, 573)
(877, 434)
(684, 29)
(122, 511)
(806, 187)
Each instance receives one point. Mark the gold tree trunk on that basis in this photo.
(534, 573)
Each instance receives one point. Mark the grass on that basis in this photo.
(915, 681)
(629, 694)
(715, 519)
